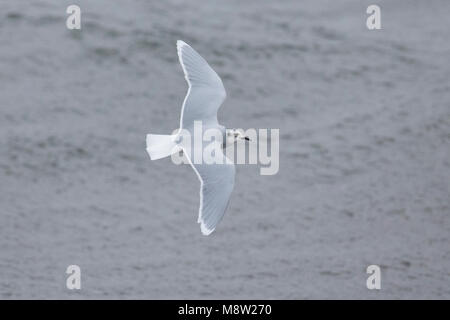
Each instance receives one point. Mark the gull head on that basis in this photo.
(234, 135)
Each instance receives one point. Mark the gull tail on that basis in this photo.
(161, 146)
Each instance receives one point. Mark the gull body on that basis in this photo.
(203, 99)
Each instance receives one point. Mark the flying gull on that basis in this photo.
(203, 99)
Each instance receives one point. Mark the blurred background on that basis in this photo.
(364, 120)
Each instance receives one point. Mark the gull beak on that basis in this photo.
(247, 138)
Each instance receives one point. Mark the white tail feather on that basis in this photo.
(161, 146)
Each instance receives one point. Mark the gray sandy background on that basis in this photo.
(364, 120)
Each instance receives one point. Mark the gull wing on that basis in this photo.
(206, 92)
(216, 185)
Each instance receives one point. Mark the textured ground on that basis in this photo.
(364, 120)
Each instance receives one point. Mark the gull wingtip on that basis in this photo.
(205, 230)
(181, 43)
